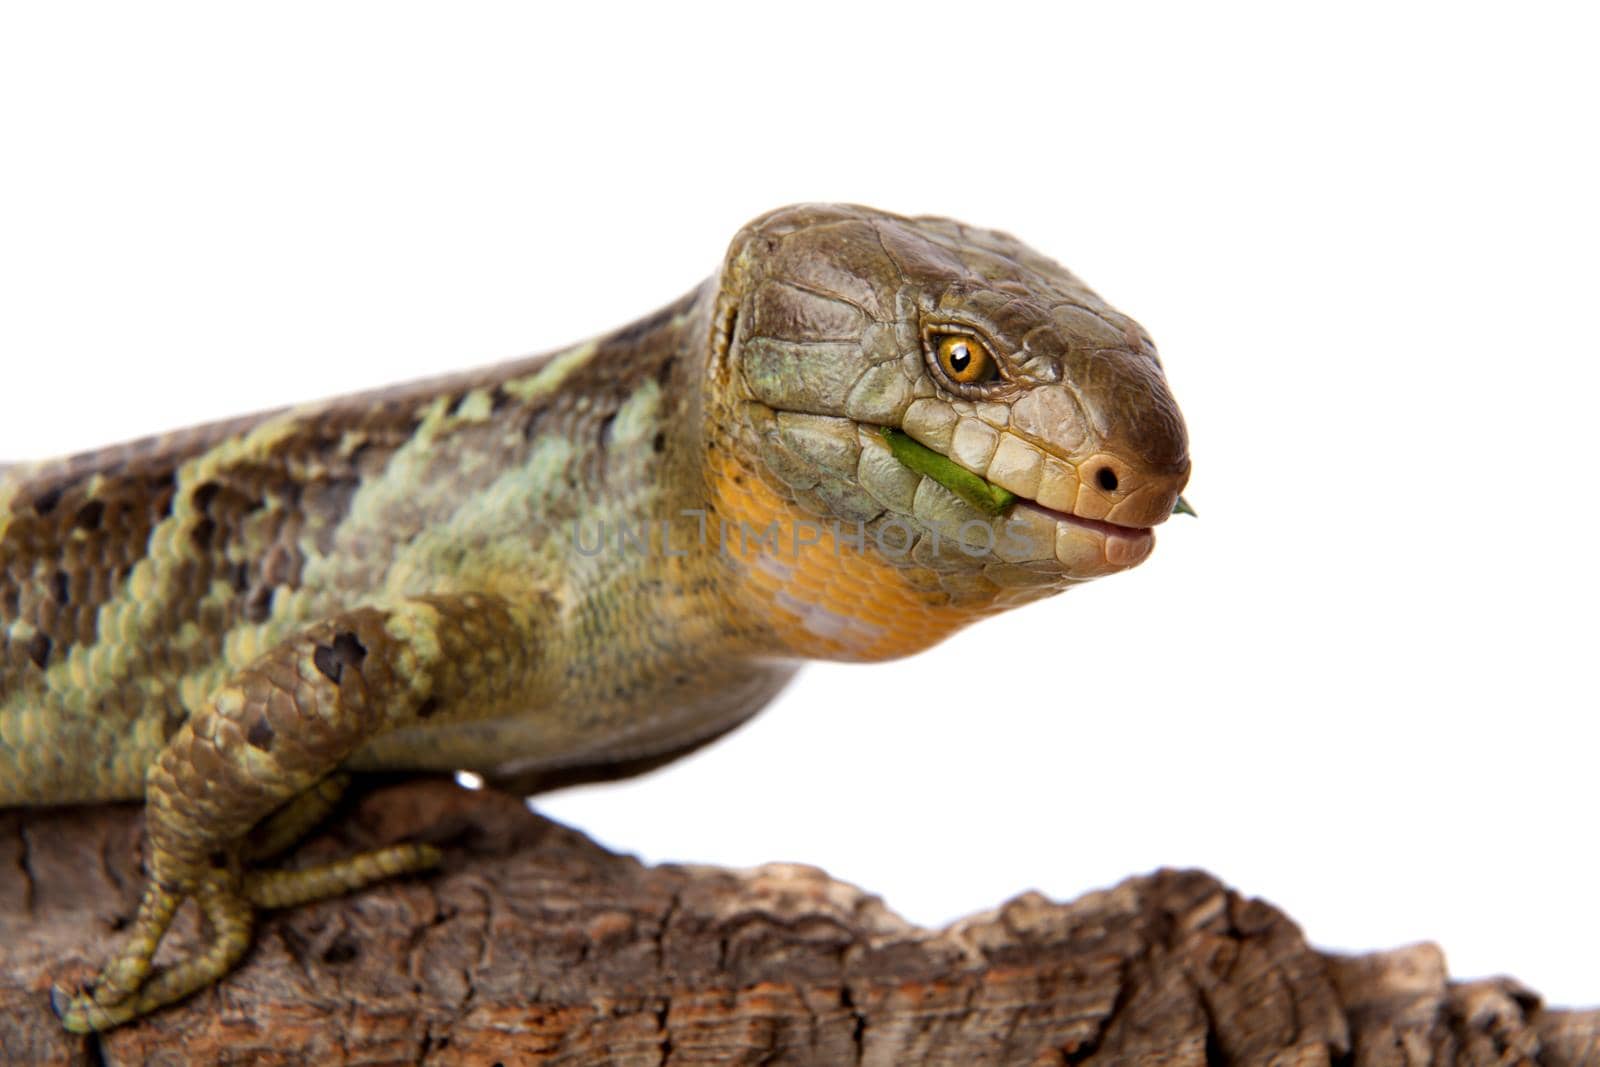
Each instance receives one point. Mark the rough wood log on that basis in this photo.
(535, 945)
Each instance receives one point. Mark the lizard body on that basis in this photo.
(569, 565)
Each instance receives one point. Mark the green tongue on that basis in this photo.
(985, 496)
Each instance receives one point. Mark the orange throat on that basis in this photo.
(821, 590)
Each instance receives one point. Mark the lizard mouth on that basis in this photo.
(1102, 526)
(1123, 546)
(1085, 547)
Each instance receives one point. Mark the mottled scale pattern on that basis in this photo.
(127, 569)
(569, 566)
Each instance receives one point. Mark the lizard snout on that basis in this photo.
(1117, 490)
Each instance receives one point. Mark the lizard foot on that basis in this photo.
(129, 987)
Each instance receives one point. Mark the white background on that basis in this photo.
(1360, 685)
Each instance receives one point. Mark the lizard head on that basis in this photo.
(981, 427)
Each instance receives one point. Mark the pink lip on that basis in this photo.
(1124, 546)
(1107, 529)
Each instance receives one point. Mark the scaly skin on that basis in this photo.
(574, 566)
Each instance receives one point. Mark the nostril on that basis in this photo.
(1106, 479)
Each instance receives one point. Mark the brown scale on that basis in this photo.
(71, 550)
(63, 538)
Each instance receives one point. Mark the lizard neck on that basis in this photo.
(811, 584)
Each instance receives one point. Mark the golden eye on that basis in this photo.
(965, 359)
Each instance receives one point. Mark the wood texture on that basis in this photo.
(535, 945)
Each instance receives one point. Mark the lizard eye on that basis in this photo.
(964, 359)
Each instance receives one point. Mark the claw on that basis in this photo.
(78, 1012)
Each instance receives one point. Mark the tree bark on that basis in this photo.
(534, 945)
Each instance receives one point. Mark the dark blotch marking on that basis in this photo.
(332, 659)
(239, 577)
(163, 490)
(90, 515)
(203, 532)
(39, 646)
(498, 398)
(430, 708)
(218, 859)
(347, 645)
(357, 453)
(605, 426)
(659, 443)
(61, 587)
(172, 721)
(328, 663)
(258, 606)
(46, 502)
(11, 600)
(261, 734)
(664, 372)
(455, 404)
(204, 494)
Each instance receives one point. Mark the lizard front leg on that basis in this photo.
(275, 732)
